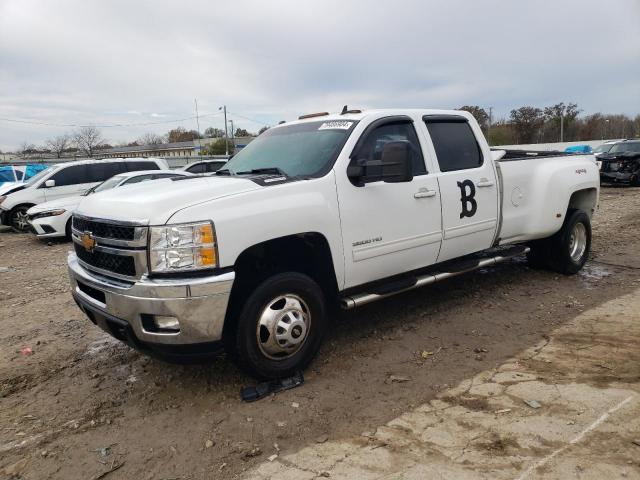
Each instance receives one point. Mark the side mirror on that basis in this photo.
(395, 166)
(49, 183)
(397, 162)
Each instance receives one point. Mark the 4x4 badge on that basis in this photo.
(88, 242)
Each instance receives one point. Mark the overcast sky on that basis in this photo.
(133, 62)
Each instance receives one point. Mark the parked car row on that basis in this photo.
(46, 201)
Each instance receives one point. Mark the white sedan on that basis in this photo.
(53, 219)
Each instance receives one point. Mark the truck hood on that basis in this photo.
(155, 202)
(68, 203)
(11, 187)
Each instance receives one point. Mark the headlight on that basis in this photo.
(48, 213)
(182, 247)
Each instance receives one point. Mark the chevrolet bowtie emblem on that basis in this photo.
(88, 242)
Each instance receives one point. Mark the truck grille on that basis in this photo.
(104, 230)
(118, 264)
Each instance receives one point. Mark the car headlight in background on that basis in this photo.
(48, 213)
(182, 247)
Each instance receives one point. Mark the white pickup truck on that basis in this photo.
(328, 210)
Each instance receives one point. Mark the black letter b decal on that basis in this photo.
(469, 204)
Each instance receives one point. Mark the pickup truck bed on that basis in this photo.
(514, 154)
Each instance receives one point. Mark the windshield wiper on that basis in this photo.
(267, 170)
(223, 171)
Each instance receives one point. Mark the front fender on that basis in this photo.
(271, 212)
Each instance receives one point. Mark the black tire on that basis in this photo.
(635, 181)
(17, 217)
(67, 230)
(249, 349)
(562, 243)
(538, 256)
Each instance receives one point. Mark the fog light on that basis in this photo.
(166, 323)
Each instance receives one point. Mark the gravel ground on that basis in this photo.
(85, 406)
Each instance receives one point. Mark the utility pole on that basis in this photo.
(226, 134)
(561, 127)
(489, 126)
(198, 124)
(232, 134)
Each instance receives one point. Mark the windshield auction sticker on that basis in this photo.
(338, 124)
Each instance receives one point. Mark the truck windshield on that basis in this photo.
(33, 180)
(626, 147)
(604, 148)
(107, 184)
(300, 150)
(7, 175)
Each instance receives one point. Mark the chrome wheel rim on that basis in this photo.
(20, 220)
(578, 242)
(283, 327)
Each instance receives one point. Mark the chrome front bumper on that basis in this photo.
(200, 305)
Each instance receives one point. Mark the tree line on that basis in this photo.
(89, 141)
(552, 124)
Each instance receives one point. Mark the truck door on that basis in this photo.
(468, 186)
(388, 228)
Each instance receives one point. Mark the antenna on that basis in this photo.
(198, 124)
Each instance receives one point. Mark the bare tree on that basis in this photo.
(26, 149)
(150, 139)
(88, 140)
(59, 144)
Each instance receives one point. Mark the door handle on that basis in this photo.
(424, 193)
(484, 183)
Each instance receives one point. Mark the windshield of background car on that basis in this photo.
(6, 174)
(109, 184)
(604, 148)
(625, 147)
(33, 180)
(304, 149)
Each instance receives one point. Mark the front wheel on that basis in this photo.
(571, 245)
(19, 219)
(281, 326)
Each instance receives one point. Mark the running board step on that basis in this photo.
(452, 270)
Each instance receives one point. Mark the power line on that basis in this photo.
(250, 119)
(111, 125)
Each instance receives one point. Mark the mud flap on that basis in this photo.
(251, 394)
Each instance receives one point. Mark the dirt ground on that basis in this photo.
(85, 406)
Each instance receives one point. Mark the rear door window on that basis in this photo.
(159, 176)
(214, 166)
(197, 168)
(454, 142)
(99, 172)
(72, 175)
(141, 165)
